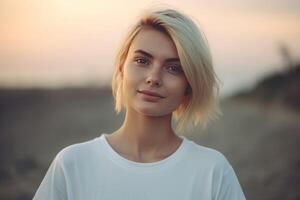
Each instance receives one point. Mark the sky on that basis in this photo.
(65, 43)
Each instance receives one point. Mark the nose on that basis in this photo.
(153, 78)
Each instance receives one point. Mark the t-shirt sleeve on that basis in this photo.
(230, 188)
(53, 185)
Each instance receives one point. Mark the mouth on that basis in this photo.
(150, 93)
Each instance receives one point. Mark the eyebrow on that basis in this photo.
(151, 56)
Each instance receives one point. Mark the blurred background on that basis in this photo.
(56, 63)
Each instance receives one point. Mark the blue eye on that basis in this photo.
(175, 69)
(141, 61)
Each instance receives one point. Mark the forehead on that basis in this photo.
(154, 42)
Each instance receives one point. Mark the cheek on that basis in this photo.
(131, 78)
(176, 92)
(177, 87)
(132, 73)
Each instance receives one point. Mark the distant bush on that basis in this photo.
(282, 88)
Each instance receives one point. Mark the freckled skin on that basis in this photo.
(147, 73)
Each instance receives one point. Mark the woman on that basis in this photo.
(163, 68)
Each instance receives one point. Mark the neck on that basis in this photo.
(146, 135)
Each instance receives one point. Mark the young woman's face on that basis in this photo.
(154, 83)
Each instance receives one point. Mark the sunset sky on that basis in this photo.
(57, 43)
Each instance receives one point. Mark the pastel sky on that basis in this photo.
(60, 43)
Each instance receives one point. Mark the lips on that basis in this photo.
(151, 93)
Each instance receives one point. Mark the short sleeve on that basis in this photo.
(229, 188)
(53, 185)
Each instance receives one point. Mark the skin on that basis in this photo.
(146, 134)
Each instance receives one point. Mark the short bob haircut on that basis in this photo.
(200, 104)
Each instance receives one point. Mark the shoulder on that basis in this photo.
(207, 157)
(78, 152)
(213, 165)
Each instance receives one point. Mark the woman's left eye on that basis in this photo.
(174, 69)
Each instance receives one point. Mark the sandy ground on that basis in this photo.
(261, 142)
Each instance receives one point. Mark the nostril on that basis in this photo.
(152, 82)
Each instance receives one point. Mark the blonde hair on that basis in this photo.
(201, 104)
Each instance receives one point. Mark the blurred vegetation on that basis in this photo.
(280, 88)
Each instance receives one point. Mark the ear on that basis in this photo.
(121, 71)
(188, 90)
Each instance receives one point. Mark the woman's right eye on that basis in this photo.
(141, 61)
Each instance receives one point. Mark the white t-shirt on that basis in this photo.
(93, 170)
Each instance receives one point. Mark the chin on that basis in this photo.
(153, 112)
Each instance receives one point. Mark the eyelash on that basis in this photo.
(136, 60)
(178, 69)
